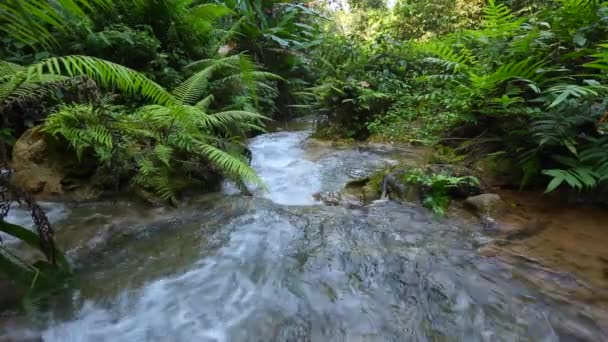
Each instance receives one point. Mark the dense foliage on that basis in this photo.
(157, 96)
(523, 80)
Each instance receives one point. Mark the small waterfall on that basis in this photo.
(384, 195)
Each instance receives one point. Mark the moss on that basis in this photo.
(375, 181)
(446, 155)
(367, 189)
(499, 169)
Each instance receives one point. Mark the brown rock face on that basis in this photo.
(42, 169)
(490, 205)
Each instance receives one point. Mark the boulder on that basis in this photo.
(366, 189)
(398, 189)
(486, 205)
(47, 170)
(499, 170)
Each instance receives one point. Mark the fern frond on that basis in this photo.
(204, 103)
(499, 20)
(449, 58)
(32, 22)
(192, 89)
(523, 70)
(255, 75)
(234, 166)
(104, 72)
(236, 116)
(163, 153)
(228, 62)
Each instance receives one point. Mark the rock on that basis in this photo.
(339, 198)
(45, 170)
(332, 198)
(365, 190)
(490, 225)
(487, 205)
(397, 189)
(356, 193)
(400, 190)
(499, 170)
(357, 183)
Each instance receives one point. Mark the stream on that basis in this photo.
(280, 266)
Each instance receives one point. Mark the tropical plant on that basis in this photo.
(278, 35)
(36, 22)
(170, 143)
(435, 187)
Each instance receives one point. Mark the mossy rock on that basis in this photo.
(401, 190)
(397, 188)
(499, 170)
(369, 188)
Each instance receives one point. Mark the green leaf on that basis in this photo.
(555, 182)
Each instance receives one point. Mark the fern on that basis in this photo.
(523, 70)
(155, 134)
(31, 22)
(499, 20)
(24, 81)
(83, 128)
(450, 59)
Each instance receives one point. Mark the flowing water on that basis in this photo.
(281, 267)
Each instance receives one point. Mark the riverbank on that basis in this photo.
(560, 235)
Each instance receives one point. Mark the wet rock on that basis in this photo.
(356, 193)
(490, 225)
(44, 169)
(366, 189)
(294, 329)
(397, 189)
(487, 205)
(328, 198)
(339, 198)
(357, 183)
(358, 174)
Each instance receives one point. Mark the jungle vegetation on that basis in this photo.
(161, 95)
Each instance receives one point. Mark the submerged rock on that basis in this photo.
(486, 205)
(339, 198)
